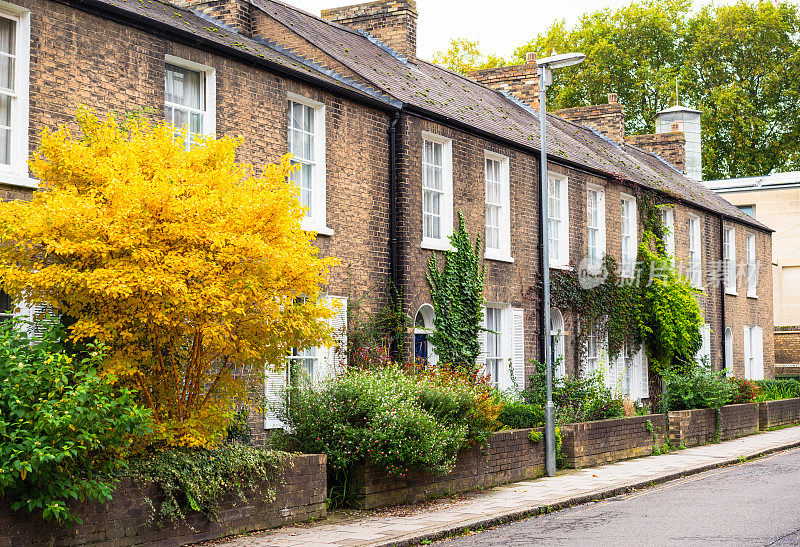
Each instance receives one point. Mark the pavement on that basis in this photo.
(413, 525)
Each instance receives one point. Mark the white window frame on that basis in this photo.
(557, 342)
(668, 221)
(600, 247)
(753, 353)
(601, 353)
(628, 264)
(729, 259)
(210, 90)
(16, 173)
(560, 241)
(317, 220)
(442, 243)
(495, 363)
(695, 253)
(503, 251)
(752, 265)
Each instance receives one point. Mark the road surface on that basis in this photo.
(754, 503)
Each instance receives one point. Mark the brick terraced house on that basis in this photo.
(392, 149)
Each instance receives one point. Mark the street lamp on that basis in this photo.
(545, 66)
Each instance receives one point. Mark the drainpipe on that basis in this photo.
(722, 286)
(394, 269)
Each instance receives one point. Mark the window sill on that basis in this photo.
(755, 296)
(499, 257)
(566, 267)
(310, 226)
(13, 179)
(731, 293)
(437, 244)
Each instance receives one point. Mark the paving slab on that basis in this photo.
(519, 500)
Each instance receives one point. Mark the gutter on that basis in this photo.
(176, 34)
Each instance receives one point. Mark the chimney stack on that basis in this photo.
(232, 13)
(521, 81)
(676, 140)
(393, 22)
(606, 119)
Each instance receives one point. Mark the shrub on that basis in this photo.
(396, 420)
(519, 415)
(198, 479)
(696, 387)
(64, 428)
(773, 390)
(575, 399)
(744, 391)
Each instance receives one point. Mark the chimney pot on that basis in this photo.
(530, 58)
(612, 98)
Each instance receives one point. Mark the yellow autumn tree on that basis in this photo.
(192, 268)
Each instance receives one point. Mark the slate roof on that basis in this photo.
(393, 80)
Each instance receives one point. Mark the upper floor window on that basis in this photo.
(498, 214)
(748, 209)
(752, 267)
(628, 229)
(695, 269)
(668, 223)
(596, 226)
(729, 253)
(494, 343)
(437, 192)
(557, 220)
(189, 99)
(14, 72)
(306, 135)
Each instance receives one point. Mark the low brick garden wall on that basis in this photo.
(605, 441)
(781, 413)
(509, 456)
(125, 519)
(695, 427)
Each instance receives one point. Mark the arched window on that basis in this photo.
(728, 352)
(557, 342)
(423, 326)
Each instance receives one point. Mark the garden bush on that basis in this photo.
(696, 387)
(64, 428)
(519, 415)
(744, 391)
(398, 420)
(773, 390)
(575, 399)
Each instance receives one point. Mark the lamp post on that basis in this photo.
(545, 66)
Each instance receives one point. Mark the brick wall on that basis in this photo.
(668, 146)
(699, 426)
(125, 520)
(509, 456)
(787, 345)
(773, 414)
(604, 441)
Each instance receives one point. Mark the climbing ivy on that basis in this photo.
(656, 309)
(457, 294)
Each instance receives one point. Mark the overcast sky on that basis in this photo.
(499, 25)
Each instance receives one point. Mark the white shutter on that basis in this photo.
(758, 353)
(481, 360)
(645, 384)
(518, 347)
(275, 383)
(333, 359)
(747, 352)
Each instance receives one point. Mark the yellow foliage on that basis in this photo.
(188, 265)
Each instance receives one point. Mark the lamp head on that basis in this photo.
(561, 60)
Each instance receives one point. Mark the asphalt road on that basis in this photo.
(754, 503)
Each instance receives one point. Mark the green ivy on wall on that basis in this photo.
(457, 295)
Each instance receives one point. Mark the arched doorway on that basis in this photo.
(424, 351)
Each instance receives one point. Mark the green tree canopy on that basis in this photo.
(464, 55)
(739, 64)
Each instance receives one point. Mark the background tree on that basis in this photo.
(186, 264)
(464, 55)
(739, 64)
(457, 294)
